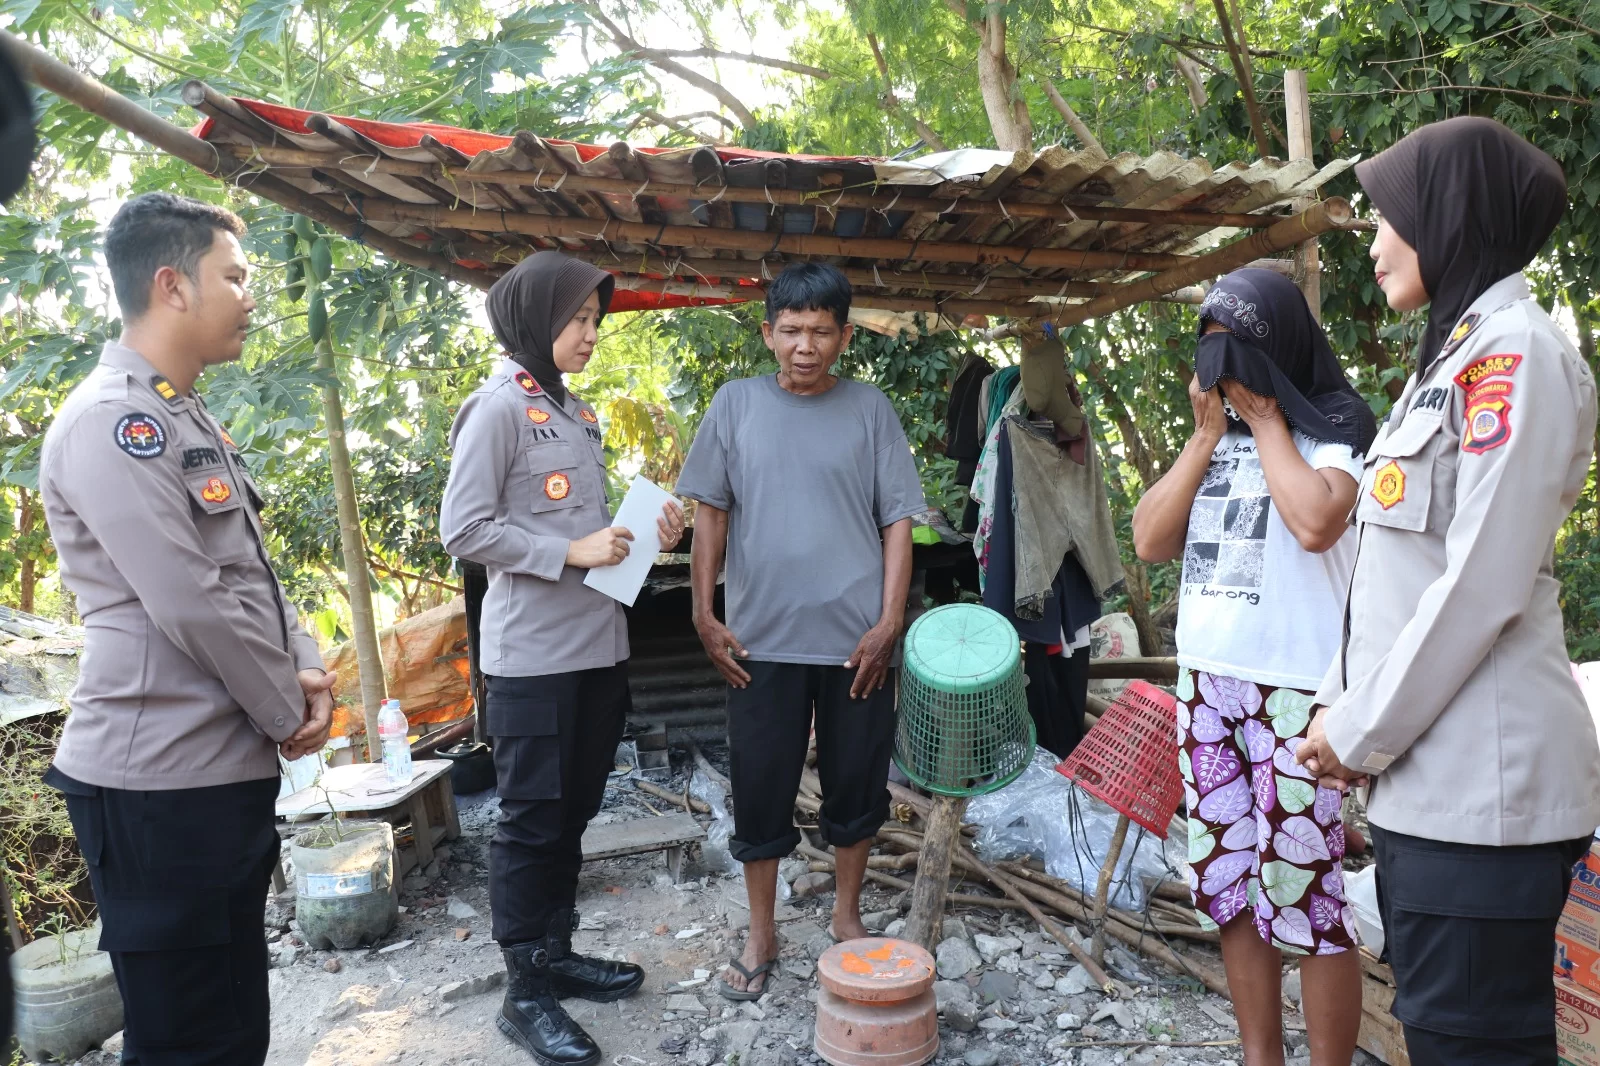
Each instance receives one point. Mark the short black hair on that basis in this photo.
(809, 287)
(157, 229)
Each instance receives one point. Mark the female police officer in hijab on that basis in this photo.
(1453, 693)
(527, 499)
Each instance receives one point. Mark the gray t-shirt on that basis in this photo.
(808, 482)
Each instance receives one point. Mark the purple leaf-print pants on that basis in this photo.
(1265, 843)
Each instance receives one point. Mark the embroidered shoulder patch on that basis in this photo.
(1503, 365)
(1462, 331)
(526, 380)
(557, 487)
(1488, 424)
(588, 415)
(538, 417)
(1389, 486)
(140, 435)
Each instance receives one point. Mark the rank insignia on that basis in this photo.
(216, 491)
(165, 390)
(538, 417)
(140, 435)
(529, 385)
(557, 487)
(228, 440)
(587, 415)
(1488, 425)
(1389, 487)
(1462, 331)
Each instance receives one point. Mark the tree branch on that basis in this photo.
(741, 57)
(647, 117)
(1376, 355)
(1241, 71)
(630, 46)
(1189, 70)
(1543, 13)
(891, 102)
(1079, 127)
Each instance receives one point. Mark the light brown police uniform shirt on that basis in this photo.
(528, 476)
(1454, 688)
(191, 646)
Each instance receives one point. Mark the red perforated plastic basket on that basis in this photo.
(1130, 757)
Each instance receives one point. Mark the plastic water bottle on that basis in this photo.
(392, 733)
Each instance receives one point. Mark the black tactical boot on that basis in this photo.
(533, 1018)
(571, 974)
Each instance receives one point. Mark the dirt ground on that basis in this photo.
(429, 993)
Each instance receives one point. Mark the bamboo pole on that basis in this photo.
(1317, 219)
(800, 244)
(1102, 889)
(369, 659)
(1297, 102)
(1144, 668)
(824, 199)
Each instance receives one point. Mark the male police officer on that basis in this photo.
(195, 672)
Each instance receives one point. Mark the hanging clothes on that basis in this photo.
(964, 418)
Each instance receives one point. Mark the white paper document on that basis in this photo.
(638, 513)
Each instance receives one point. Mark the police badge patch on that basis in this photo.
(140, 435)
(1389, 486)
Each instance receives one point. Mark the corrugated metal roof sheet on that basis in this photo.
(968, 231)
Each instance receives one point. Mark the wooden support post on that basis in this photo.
(1308, 260)
(925, 921)
(363, 620)
(1102, 889)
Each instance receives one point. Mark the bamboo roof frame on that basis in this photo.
(1057, 236)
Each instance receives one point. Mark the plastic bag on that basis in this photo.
(715, 853)
(1041, 815)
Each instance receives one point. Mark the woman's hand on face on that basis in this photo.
(1210, 421)
(1255, 409)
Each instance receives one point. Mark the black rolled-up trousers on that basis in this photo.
(555, 741)
(1470, 933)
(180, 878)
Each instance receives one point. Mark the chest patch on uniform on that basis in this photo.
(1431, 399)
(587, 415)
(165, 390)
(193, 457)
(557, 487)
(529, 385)
(216, 491)
(538, 417)
(1389, 486)
(140, 435)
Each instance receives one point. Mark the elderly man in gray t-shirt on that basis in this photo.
(807, 485)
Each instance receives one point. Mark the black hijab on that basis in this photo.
(1274, 347)
(1475, 200)
(532, 303)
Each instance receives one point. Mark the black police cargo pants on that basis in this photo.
(769, 728)
(555, 742)
(1470, 931)
(180, 877)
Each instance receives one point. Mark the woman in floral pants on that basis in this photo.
(1256, 507)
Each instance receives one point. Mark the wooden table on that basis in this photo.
(362, 790)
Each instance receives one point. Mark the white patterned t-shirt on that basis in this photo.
(1254, 604)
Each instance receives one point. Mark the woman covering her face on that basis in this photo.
(1453, 694)
(1256, 507)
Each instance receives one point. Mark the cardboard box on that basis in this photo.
(1577, 956)
(1577, 1024)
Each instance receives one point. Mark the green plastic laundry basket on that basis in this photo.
(964, 726)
